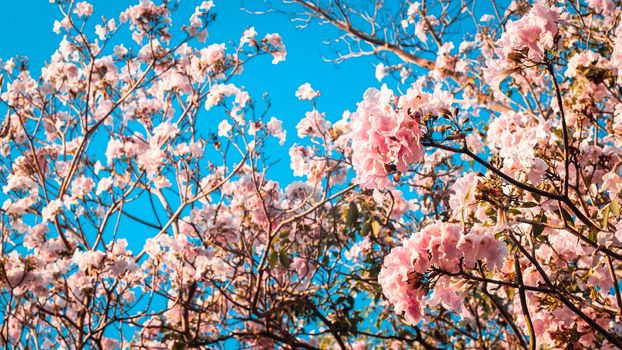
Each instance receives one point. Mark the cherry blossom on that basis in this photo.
(472, 201)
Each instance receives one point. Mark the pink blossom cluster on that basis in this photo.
(306, 92)
(147, 17)
(83, 9)
(535, 32)
(606, 7)
(439, 246)
(275, 46)
(314, 124)
(386, 132)
(197, 23)
(462, 199)
(616, 55)
(329, 142)
(305, 161)
(516, 137)
(550, 321)
(526, 39)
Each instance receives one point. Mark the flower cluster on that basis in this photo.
(517, 137)
(524, 40)
(138, 191)
(386, 132)
(531, 35)
(439, 247)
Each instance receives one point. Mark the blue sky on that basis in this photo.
(28, 28)
(27, 31)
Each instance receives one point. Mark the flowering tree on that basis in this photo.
(474, 205)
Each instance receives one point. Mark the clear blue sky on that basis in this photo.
(27, 28)
(27, 31)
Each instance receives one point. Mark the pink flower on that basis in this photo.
(612, 183)
(49, 212)
(218, 91)
(299, 156)
(114, 150)
(359, 249)
(65, 24)
(212, 55)
(492, 251)
(104, 185)
(565, 244)
(248, 37)
(584, 59)
(602, 6)
(275, 46)
(535, 32)
(151, 159)
(462, 200)
(616, 55)
(515, 136)
(88, 259)
(445, 293)
(101, 31)
(196, 21)
(224, 128)
(444, 60)
(397, 281)
(314, 124)
(381, 71)
(386, 132)
(120, 50)
(444, 246)
(275, 128)
(165, 131)
(306, 92)
(81, 186)
(469, 245)
(83, 9)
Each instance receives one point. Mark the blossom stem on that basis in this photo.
(507, 317)
(554, 196)
(562, 116)
(496, 171)
(563, 298)
(523, 303)
(616, 285)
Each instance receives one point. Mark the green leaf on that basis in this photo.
(272, 259)
(284, 259)
(614, 206)
(606, 212)
(366, 228)
(537, 229)
(592, 236)
(514, 211)
(352, 214)
(529, 205)
(375, 225)
(567, 217)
